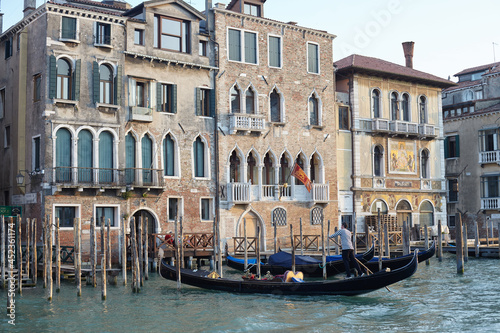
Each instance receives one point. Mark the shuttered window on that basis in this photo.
(274, 51)
(250, 47)
(129, 159)
(234, 45)
(63, 155)
(169, 155)
(85, 156)
(105, 157)
(68, 29)
(147, 159)
(312, 58)
(242, 47)
(199, 157)
(166, 97)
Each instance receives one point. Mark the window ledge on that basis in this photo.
(69, 40)
(318, 127)
(274, 123)
(107, 107)
(65, 101)
(106, 46)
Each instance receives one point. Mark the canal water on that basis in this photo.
(435, 299)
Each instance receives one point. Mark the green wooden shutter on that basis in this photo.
(169, 154)
(234, 42)
(212, 102)
(95, 82)
(274, 52)
(85, 156)
(118, 85)
(147, 159)
(52, 76)
(250, 47)
(76, 80)
(129, 159)
(197, 101)
(446, 147)
(158, 96)
(173, 99)
(457, 146)
(105, 157)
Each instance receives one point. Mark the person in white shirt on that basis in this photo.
(347, 250)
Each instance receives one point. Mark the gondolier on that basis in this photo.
(347, 250)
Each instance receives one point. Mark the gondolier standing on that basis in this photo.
(347, 250)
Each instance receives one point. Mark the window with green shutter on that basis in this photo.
(242, 46)
(234, 44)
(166, 95)
(169, 155)
(274, 51)
(451, 147)
(106, 157)
(312, 58)
(85, 156)
(129, 159)
(63, 155)
(68, 28)
(147, 159)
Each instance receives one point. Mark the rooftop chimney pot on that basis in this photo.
(408, 50)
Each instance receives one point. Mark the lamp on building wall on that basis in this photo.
(19, 179)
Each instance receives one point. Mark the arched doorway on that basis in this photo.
(403, 211)
(144, 214)
(252, 222)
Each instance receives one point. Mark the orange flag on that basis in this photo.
(298, 173)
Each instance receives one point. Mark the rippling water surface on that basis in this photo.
(435, 299)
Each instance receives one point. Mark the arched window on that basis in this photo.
(426, 214)
(199, 157)
(422, 109)
(279, 216)
(284, 170)
(376, 103)
(105, 157)
(106, 84)
(252, 171)
(275, 104)
(378, 161)
(63, 79)
(403, 212)
(314, 170)
(317, 216)
(425, 163)
(147, 160)
(405, 103)
(313, 111)
(379, 204)
(234, 167)
(268, 170)
(235, 99)
(63, 155)
(169, 155)
(129, 158)
(85, 156)
(250, 102)
(394, 106)
(300, 163)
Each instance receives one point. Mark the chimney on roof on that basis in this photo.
(408, 50)
(29, 7)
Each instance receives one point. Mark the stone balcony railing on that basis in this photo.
(489, 157)
(490, 203)
(246, 123)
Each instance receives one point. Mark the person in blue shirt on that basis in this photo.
(347, 250)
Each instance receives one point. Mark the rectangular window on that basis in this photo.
(36, 154)
(66, 215)
(103, 34)
(489, 140)
(313, 58)
(8, 47)
(37, 87)
(451, 147)
(347, 219)
(490, 187)
(206, 209)
(68, 28)
(205, 102)
(139, 37)
(109, 214)
(451, 221)
(251, 9)
(172, 34)
(6, 137)
(174, 208)
(275, 51)
(343, 117)
(452, 190)
(242, 49)
(2, 103)
(167, 98)
(202, 48)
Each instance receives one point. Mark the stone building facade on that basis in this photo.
(390, 142)
(275, 107)
(471, 112)
(107, 113)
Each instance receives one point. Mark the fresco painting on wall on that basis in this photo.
(402, 157)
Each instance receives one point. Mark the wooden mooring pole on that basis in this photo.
(459, 240)
(336, 241)
(476, 239)
(379, 229)
(44, 240)
(257, 249)
(440, 241)
(78, 256)
(140, 249)
(386, 242)
(328, 238)
(426, 235)
(93, 253)
(466, 244)
(28, 248)
(103, 260)
(301, 240)
(178, 254)
(35, 254)
(58, 257)
(133, 253)
(49, 258)
(275, 237)
(323, 250)
(293, 248)
(124, 252)
(146, 249)
(245, 241)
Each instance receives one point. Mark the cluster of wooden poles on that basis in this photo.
(51, 231)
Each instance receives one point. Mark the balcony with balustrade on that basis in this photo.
(490, 203)
(246, 123)
(486, 157)
(398, 128)
(426, 131)
(86, 177)
(403, 127)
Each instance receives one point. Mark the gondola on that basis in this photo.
(397, 262)
(347, 287)
(281, 262)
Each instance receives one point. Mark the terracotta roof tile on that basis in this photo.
(386, 68)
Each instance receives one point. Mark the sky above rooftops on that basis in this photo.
(449, 35)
